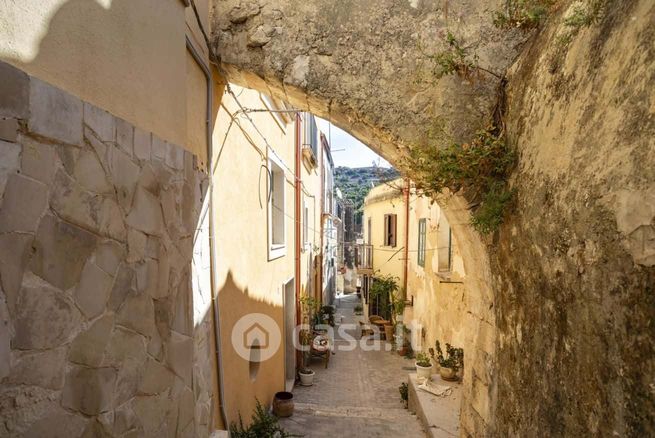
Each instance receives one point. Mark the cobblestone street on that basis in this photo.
(356, 396)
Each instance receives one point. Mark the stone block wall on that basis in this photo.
(97, 227)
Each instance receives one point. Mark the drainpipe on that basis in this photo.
(298, 187)
(405, 266)
(212, 248)
(322, 211)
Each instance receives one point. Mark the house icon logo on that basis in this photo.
(256, 337)
(256, 332)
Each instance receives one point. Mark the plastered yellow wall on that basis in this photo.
(127, 57)
(311, 196)
(246, 281)
(381, 200)
(440, 298)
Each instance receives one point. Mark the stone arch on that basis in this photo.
(576, 260)
(363, 66)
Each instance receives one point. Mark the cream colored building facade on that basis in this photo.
(411, 240)
(436, 277)
(383, 229)
(311, 207)
(254, 235)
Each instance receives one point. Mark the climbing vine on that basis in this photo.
(480, 168)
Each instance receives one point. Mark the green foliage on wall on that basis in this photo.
(524, 14)
(480, 167)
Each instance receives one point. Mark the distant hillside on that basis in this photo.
(355, 182)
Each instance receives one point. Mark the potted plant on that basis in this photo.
(306, 376)
(423, 366)
(451, 363)
(398, 306)
(359, 309)
(404, 393)
(383, 289)
(305, 373)
(328, 315)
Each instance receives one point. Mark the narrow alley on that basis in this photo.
(255, 218)
(357, 394)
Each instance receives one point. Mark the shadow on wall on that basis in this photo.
(115, 54)
(249, 379)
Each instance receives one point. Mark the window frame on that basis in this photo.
(448, 249)
(276, 250)
(390, 230)
(422, 234)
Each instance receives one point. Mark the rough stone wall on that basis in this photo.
(97, 225)
(575, 298)
(570, 307)
(364, 64)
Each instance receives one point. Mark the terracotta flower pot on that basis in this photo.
(283, 404)
(388, 332)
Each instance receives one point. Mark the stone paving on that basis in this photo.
(357, 395)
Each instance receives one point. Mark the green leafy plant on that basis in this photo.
(490, 215)
(581, 16)
(455, 59)
(385, 287)
(309, 305)
(480, 168)
(329, 311)
(398, 304)
(262, 425)
(423, 360)
(524, 14)
(454, 358)
(585, 14)
(358, 309)
(404, 393)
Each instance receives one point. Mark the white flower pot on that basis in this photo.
(306, 379)
(423, 372)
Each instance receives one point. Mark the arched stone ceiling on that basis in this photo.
(365, 64)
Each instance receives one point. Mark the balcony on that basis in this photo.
(364, 258)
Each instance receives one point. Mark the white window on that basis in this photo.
(276, 213)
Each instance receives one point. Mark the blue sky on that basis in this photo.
(347, 150)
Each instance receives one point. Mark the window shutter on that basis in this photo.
(393, 230)
(386, 230)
